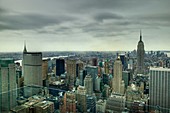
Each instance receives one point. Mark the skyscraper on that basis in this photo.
(32, 72)
(117, 82)
(44, 69)
(81, 99)
(79, 66)
(71, 72)
(140, 56)
(159, 89)
(60, 66)
(94, 61)
(88, 83)
(69, 102)
(106, 67)
(93, 71)
(8, 91)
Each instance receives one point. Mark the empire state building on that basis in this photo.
(140, 56)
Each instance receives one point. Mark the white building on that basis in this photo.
(32, 72)
(117, 82)
(159, 88)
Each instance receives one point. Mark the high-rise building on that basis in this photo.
(97, 84)
(79, 66)
(91, 104)
(117, 82)
(69, 102)
(159, 89)
(93, 71)
(71, 72)
(60, 66)
(88, 83)
(32, 72)
(8, 91)
(83, 74)
(44, 69)
(81, 99)
(140, 56)
(94, 61)
(123, 58)
(106, 67)
(126, 76)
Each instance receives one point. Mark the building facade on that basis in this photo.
(8, 91)
(81, 99)
(88, 83)
(117, 82)
(32, 72)
(71, 72)
(140, 56)
(60, 66)
(159, 89)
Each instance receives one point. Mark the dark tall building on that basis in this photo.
(94, 61)
(60, 66)
(140, 56)
(123, 58)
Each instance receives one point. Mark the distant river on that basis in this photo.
(20, 61)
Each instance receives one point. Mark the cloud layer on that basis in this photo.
(83, 24)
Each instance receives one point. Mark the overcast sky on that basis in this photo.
(83, 25)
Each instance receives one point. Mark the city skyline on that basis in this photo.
(83, 25)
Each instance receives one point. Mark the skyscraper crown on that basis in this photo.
(140, 36)
(25, 49)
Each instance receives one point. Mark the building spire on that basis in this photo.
(25, 49)
(140, 35)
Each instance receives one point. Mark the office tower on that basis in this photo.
(71, 72)
(83, 74)
(44, 69)
(159, 88)
(32, 72)
(60, 67)
(106, 91)
(79, 66)
(19, 81)
(105, 79)
(126, 76)
(115, 104)
(106, 67)
(117, 82)
(8, 91)
(97, 83)
(88, 83)
(69, 102)
(130, 64)
(123, 59)
(91, 104)
(93, 71)
(140, 56)
(81, 99)
(94, 61)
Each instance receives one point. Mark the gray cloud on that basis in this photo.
(19, 21)
(106, 15)
(94, 20)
